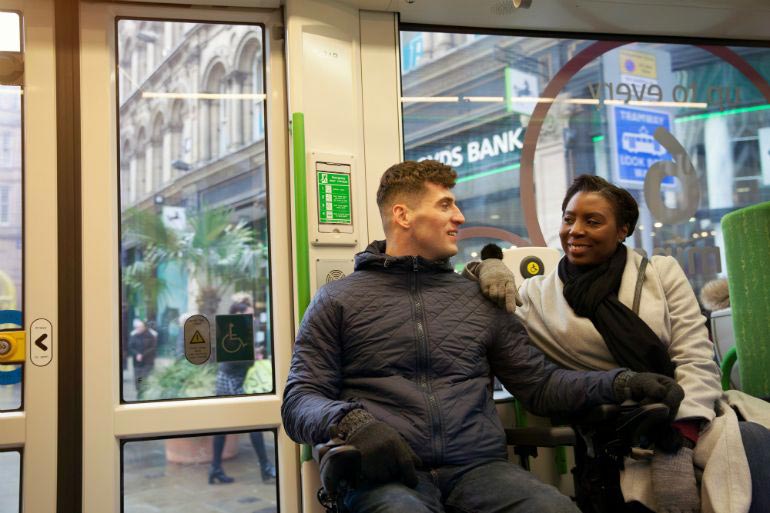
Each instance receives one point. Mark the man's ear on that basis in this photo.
(401, 215)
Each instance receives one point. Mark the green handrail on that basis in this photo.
(300, 212)
(302, 248)
(731, 356)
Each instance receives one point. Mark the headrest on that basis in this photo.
(532, 261)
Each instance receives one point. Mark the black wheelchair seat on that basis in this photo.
(602, 438)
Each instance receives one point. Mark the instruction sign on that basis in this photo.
(334, 198)
(235, 337)
(635, 147)
(197, 339)
(41, 342)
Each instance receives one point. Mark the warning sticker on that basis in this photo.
(197, 339)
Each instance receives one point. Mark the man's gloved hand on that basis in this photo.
(673, 482)
(498, 284)
(385, 455)
(647, 387)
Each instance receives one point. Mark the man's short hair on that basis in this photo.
(408, 179)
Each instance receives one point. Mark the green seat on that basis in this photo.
(747, 251)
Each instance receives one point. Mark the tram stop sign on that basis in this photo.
(235, 338)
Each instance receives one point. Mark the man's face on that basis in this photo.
(434, 220)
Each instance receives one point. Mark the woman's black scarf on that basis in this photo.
(592, 292)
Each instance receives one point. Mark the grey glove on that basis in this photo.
(673, 482)
(385, 455)
(498, 284)
(647, 387)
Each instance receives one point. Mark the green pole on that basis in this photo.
(301, 232)
(300, 212)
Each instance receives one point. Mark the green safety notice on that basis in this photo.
(334, 198)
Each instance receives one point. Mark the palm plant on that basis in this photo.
(217, 253)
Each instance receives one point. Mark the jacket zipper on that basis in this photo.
(423, 366)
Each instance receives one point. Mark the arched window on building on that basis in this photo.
(181, 138)
(141, 172)
(252, 111)
(159, 151)
(125, 82)
(127, 174)
(215, 119)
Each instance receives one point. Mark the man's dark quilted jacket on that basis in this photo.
(414, 344)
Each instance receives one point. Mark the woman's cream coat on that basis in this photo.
(669, 308)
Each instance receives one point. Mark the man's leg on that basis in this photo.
(396, 498)
(501, 486)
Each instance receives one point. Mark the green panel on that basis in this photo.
(334, 198)
(747, 251)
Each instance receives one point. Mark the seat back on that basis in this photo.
(531, 261)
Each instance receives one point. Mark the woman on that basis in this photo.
(230, 378)
(607, 307)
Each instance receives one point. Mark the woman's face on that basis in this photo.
(589, 232)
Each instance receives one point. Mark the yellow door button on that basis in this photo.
(12, 346)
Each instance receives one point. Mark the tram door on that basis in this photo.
(28, 247)
(186, 265)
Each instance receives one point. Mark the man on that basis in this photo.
(396, 360)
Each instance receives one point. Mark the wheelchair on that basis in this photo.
(602, 439)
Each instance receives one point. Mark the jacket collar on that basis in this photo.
(375, 258)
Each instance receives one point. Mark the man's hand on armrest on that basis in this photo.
(385, 455)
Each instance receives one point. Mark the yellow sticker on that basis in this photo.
(12, 347)
(533, 268)
(640, 64)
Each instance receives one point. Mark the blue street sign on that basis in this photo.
(634, 145)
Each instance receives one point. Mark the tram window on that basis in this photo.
(469, 101)
(194, 207)
(11, 219)
(10, 484)
(10, 37)
(172, 474)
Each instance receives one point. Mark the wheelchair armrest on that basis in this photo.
(339, 465)
(540, 436)
(629, 421)
(641, 420)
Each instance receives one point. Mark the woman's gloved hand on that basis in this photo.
(648, 387)
(385, 455)
(673, 482)
(498, 283)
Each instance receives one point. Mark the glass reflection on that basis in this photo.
(526, 124)
(190, 473)
(193, 196)
(10, 484)
(11, 278)
(10, 32)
